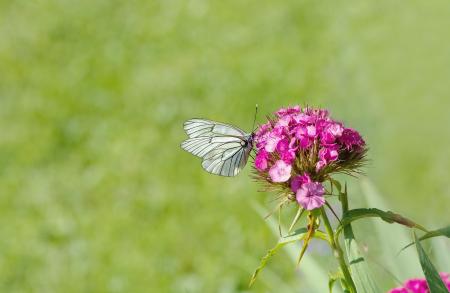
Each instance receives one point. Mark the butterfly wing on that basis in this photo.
(201, 127)
(228, 160)
(224, 148)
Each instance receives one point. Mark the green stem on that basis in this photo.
(338, 253)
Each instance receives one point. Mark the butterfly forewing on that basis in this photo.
(224, 148)
(202, 127)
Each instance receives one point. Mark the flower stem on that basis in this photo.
(337, 251)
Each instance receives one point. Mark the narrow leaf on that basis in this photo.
(435, 233)
(297, 235)
(311, 229)
(390, 217)
(301, 233)
(314, 276)
(435, 283)
(296, 218)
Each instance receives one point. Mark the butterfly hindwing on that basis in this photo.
(227, 163)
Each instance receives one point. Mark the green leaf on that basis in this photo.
(298, 215)
(300, 234)
(297, 235)
(358, 266)
(390, 217)
(445, 231)
(435, 283)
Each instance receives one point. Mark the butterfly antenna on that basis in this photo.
(254, 118)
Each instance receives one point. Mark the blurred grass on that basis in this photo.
(95, 193)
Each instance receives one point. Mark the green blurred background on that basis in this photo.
(97, 196)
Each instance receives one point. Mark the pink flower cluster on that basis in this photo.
(298, 144)
(420, 285)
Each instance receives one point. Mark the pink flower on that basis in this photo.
(320, 165)
(283, 121)
(330, 132)
(286, 150)
(288, 111)
(351, 139)
(283, 145)
(273, 138)
(261, 160)
(445, 277)
(288, 156)
(271, 143)
(326, 155)
(305, 135)
(419, 285)
(399, 290)
(329, 153)
(262, 134)
(318, 113)
(335, 129)
(263, 129)
(311, 131)
(297, 181)
(280, 171)
(310, 195)
(297, 140)
(304, 119)
(327, 138)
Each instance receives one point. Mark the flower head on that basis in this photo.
(298, 148)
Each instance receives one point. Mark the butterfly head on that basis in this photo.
(250, 140)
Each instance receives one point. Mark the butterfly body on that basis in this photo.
(224, 148)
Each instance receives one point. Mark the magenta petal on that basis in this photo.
(327, 138)
(261, 160)
(288, 111)
(417, 285)
(320, 164)
(288, 156)
(271, 143)
(297, 181)
(335, 129)
(333, 154)
(283, 145)
(311, 131)
(351, 139)
(399, 290)
(310, 203)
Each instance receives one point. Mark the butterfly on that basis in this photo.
(224, 148)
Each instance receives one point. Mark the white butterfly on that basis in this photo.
(224, 148)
